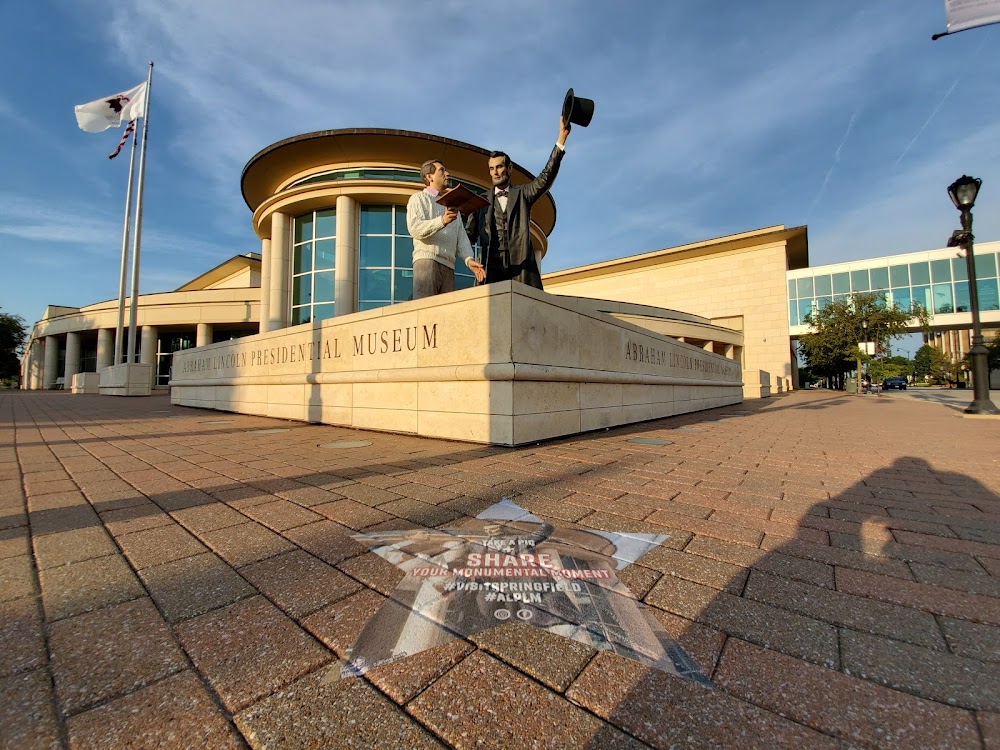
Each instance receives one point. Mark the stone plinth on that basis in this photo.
(86, 382)
(127, 380)
(502, 364)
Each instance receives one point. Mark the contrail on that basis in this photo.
(924, 127)
(936, 109)
(836, 159)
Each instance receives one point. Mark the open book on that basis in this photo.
(463, 199)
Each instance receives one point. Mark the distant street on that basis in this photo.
(956, 398)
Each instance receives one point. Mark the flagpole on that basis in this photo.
(137, 234)
(120, 332)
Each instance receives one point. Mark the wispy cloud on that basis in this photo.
(706, 124)
(833, 165)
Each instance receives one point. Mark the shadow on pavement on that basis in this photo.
(869, 618)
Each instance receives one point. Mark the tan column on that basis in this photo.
(279, 282)
(72, 364)
(265, 282)
(147, 346)
(730, 351)
(346, 285)
(49, 373)
(966, 337)
(708, 346)
(105, 347)
(37, 356)
(681, 339)
(204, 335)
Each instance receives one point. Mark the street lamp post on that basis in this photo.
(864, 335)
(963, 192)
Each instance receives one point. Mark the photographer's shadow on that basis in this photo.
(872, 618)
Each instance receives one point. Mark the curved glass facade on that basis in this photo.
(940, 285)
(385, 262)
(385, 257)
(314, 252)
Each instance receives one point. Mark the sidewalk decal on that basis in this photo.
(509, 565)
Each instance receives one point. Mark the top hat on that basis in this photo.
(577, 110)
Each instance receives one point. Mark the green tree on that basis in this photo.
(897, 366)
(929, 361)
(13, 333)
(832, 347)
(992, 354)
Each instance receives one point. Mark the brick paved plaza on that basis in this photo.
(180, 578)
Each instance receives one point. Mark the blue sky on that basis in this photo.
(711, 118)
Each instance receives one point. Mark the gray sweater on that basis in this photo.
(431, 238)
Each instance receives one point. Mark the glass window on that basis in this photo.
(324, 288)
(376, 251)
(840, 297)
(920, 273)
(376, 220)
(385, 267)
(859, 281)
(988, 297)
(326, 253)
(959, 270)
(842, 283)
(302, 290)
(822, 302)
(805, 307)
(943, 302)
(403, 283)
(899, 276)
(322, 312)
(326, 224)
(922, 296)
(962, 296)
(314, 255)
(793, 312)
(302, 258)
(901, 298)
(401, 230)
(880, 277)
(304, 228)
(805, 287)
(824, 286)
(375, 284)
(792, 289)
(986, 265)
(940, 270)
(403, 252)
(463, 276)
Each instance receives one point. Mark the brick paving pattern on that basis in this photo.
(179, 578)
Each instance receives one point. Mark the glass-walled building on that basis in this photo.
(936, 279)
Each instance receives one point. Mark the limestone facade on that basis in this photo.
(502, 364)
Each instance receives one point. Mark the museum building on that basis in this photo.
(330, 211)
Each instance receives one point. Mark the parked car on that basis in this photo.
(895, 382)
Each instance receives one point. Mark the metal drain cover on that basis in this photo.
(649, 441)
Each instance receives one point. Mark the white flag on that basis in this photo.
(111, 111)
(967, 14)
